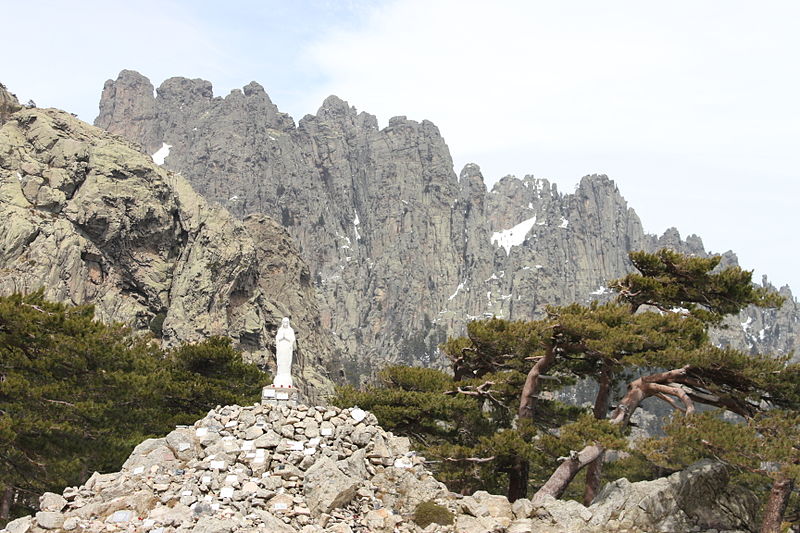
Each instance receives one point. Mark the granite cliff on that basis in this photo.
(89, 218)
(402, 251)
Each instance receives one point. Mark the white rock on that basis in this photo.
(20, 525)
(49, 519)
(403, 462)
(122, 516)
(50, 501)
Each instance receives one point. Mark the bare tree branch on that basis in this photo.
(469, 459)
(678, 392)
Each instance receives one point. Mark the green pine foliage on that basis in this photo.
(412, 401)
(670, 281)
(207, 374)
(447, 428)
(472, 441)
(77, 395)
(765, 444)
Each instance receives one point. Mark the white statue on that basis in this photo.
(284, 346)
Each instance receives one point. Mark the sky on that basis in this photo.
(691, 107)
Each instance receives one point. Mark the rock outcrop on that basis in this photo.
(91, 219)
(402, 250)
(8, 104)
(322, 469)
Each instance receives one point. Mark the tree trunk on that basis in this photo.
(595, 470)
(518, 480)
(594, 478)
(5, 505)
(564, 474)
(530, 389)
(776, 505)
(518, 474)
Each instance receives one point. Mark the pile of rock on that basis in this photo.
(278, 468)
(287, 469)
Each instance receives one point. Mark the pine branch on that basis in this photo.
(60, 402)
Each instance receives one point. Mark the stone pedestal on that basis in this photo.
(271, 395)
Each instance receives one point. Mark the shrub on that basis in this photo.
(431, 512)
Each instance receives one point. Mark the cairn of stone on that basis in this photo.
(289, 469)
(277, 468)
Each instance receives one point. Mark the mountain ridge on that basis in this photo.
(361, 201)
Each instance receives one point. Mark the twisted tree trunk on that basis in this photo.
(518, 473)
(638, 390)
(530, 389)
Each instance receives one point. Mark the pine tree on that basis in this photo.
(77, 395)
(695, 296)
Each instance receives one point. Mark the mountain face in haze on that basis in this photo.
(401, 250)
(91, 219)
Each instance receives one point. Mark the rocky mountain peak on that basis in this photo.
(255, 89)
(471, 181)
(129, 100)
(692, 245)
(333, 106)
(597, 182)
(185, 91)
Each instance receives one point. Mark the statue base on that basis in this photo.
(272, 395)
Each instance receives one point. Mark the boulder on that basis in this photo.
(696, 497)
(497, 506)
(52, 502)
(327, 487)
(20, 525)
(49, 519)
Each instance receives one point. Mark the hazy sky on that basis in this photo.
(692, 107)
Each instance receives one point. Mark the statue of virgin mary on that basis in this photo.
(284, 346)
